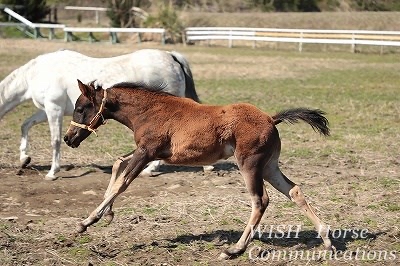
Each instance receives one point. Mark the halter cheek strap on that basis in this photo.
(94, 119)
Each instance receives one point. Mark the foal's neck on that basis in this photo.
(132, 107)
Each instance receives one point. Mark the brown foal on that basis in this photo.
(184, 132)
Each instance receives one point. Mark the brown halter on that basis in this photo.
(94, 119)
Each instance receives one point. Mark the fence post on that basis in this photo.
(163, 38)
(301, 42)
(51, 34)
(353, 44)
(230, 39)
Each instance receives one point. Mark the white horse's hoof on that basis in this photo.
(208, 168)
(25, 162)
(149, 174)
(49, 177)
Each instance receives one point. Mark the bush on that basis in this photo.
(168, 19)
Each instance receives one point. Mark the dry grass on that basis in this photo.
(186, 217)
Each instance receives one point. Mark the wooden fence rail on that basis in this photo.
(300, 36)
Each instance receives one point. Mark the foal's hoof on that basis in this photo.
(230, 253)
(80, 228)
(224, 256)
(109, 217)
(331, 248)
(25, 162)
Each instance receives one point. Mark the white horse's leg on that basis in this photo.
(54, 115)
(154, 166)
(36, 118)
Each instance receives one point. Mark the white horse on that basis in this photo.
(50, 81)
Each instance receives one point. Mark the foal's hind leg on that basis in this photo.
(117, 169)
(279, 181)
(36, 118)
(259, 200)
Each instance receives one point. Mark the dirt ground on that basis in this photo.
(181, 217)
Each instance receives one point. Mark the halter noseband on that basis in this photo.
(97, 116)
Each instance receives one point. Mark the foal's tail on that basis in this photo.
(315, 118)
(190, 90)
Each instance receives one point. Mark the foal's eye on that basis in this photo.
(79, 110)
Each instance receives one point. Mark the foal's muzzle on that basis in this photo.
(75, 136)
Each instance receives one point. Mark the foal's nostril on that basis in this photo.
(66, 139)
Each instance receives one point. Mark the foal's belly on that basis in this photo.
(201, 156)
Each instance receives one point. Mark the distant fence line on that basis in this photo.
(68, 31)
(300, 36)
(231, 34)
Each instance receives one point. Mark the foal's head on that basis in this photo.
(88, 114)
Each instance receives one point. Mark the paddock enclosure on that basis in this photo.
(351, 178)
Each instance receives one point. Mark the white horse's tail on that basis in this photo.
(14, 89)
(190, 91)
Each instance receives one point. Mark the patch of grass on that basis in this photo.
(61, 238)
(288, 204)
(238, 221)
(84, 239)
(388, 182)
(371, 222)
(335, 198)
(372, 207)
(4, 226)
(127, 210)
(78, 252)
(390, 206)
(149, 210)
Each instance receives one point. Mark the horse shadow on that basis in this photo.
(107, 169)
(169, 168)
(307, 238)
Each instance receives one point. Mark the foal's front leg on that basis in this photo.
(135, 166)
(117, 169)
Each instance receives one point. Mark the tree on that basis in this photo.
(120, 12)
(286, 5)
(167, 18)
(32, 10)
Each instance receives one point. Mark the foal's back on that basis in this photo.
(199, 133)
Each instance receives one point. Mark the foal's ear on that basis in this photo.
(86, 90)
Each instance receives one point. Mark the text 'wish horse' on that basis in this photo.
(184, 132)
(50, 81)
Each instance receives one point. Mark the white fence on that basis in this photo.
(113, 32)
(300, 36)
(231, 34)
(35, 26)
(68, 31)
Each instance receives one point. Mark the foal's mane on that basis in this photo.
(158, 89)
